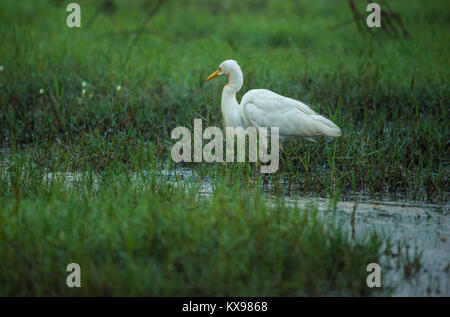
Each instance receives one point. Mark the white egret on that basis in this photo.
(264, 108)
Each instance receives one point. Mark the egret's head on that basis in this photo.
(227, 67)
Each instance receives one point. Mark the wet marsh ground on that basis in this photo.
(136, 231)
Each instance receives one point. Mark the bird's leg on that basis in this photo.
(283, 152)
(263, 144)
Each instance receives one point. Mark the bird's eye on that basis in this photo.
(219, 69)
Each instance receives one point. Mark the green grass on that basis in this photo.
(389, 95)
(150, 237)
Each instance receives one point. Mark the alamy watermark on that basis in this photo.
(374, 18)
(213, 151)
(374, 278)
(74, 18)
(74, 278)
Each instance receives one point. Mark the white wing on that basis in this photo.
(264, 108)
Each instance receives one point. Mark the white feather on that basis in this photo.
(264, 108)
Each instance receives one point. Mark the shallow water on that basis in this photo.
(424, 227)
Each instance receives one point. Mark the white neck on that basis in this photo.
(230, 106)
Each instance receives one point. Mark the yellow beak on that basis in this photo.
(215, 74)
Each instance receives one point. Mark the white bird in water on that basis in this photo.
(264, 108)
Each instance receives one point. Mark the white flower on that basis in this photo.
(41, 91)
(1, 68)
(83, 92)
(83, 84)
(118, 88)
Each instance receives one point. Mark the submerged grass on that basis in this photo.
(389, 95)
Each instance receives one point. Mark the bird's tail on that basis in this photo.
(326, 127)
